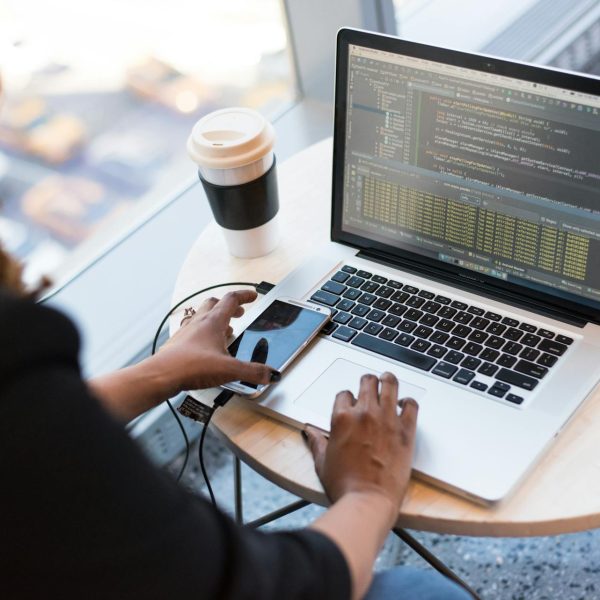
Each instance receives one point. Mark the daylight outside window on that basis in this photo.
(99, 98)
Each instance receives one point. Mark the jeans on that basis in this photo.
(408, 583)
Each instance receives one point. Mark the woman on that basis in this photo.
(84, 514)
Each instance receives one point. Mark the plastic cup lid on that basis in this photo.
(231, 137)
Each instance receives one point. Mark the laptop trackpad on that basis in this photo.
(342, 374)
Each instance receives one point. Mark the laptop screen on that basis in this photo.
(493, 174)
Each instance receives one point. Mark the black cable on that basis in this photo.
(155, 342)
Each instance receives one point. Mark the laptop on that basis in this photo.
(464, 252)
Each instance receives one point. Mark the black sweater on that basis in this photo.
(84, 514)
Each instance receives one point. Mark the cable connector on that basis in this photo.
(264, 287)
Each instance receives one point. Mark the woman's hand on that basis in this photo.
(196, 356)
(370, 448)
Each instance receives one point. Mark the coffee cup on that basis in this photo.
(233, 149)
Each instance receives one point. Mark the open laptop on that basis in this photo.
(464, 255)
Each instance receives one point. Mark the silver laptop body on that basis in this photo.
(466, 201)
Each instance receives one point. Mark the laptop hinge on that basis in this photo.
(479, 287)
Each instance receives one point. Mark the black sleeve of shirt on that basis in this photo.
(84, 514)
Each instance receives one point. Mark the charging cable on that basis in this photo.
(262, 288)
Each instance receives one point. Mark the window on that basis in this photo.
(99, 99)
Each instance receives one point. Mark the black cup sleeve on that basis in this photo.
(244, 206)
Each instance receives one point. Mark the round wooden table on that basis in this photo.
(562, 493)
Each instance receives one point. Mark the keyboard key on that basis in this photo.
(437, 351)
(454, 357)
(494, 342)
(367, 299)
(349, 269)
(518, 379)
(463, 317)
(445, 325)
(352, 294)
(340, 277)
(420, 345)
(528, 368)
(510, 322)
(373, 328)
(464, 376)
(547, 360)
(394, 351)
(545, 333)
(413, 314)
(489, 354)
(439, 337)
(563, 339)
(345, 304)
(329, 328)
(497, 391)
(384, 291)
(478, 336)
(404, 339)
(459, 305)
(444, 369)
(344, 333)
(431, 307)
(398, 309)
(365, 274)
(375, 315)
(506, 360)
(447, 312)
(455, 343)
(379, 279)
(388, 334)
(410, 289)
(342, 318)
(334, 288)
(461, 331)
(475, 310)
(527, 327)
(382, 304)
(492, 316)
(355, 282)
(357, 323)
(427, 295)
(400, 297)
(407, 326)
(472, 349)
(423, 332)
(415, 302)
(394, 284)
(479, 323)
(514, 398)
(479, 385)
(496, 328)
(442, 299)
(429, 320)
(390, 321)
(530, 354)
(488, 369)
(360, 310)
(369, 286)
(470, 362)
(326, 298)
(531, 340)
(552, 347)
(512, 334)
(512, 348)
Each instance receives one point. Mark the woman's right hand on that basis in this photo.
(370, 448)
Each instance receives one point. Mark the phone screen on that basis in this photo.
(277, 334)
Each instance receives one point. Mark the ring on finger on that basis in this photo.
(188, 313)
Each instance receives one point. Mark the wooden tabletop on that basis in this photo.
(561, 495)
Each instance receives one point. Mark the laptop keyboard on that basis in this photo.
(434, 333)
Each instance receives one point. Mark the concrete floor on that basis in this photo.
(565, 567)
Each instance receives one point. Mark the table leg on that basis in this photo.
(433, 560)
(237, 488)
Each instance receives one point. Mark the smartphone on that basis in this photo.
(276, 337)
